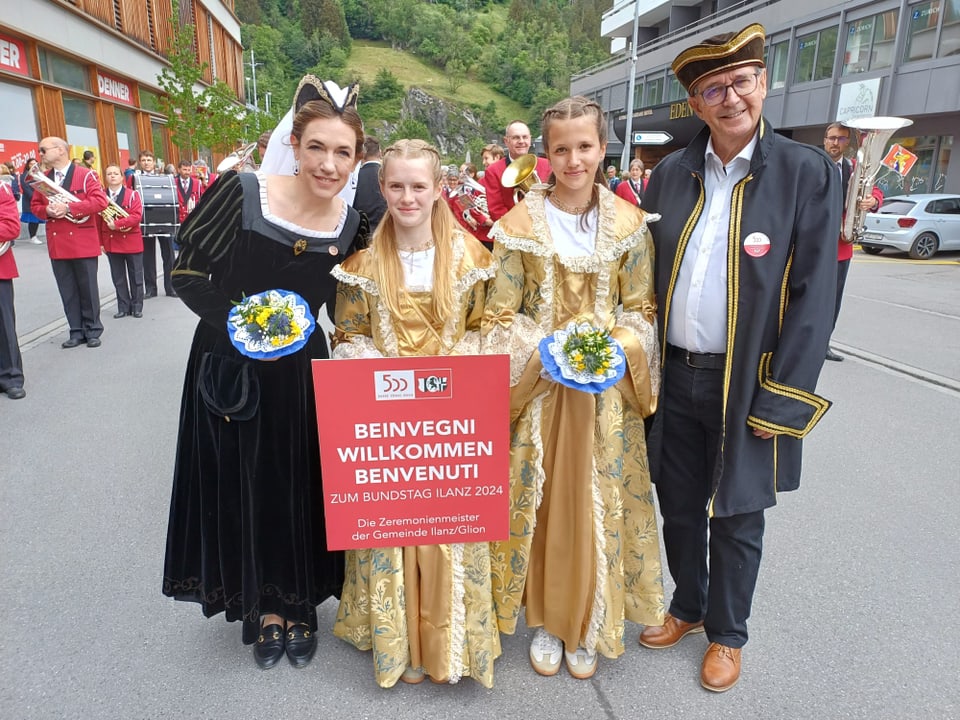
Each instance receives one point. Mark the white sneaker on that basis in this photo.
(581, 663)
(545, 653)
(36, 241)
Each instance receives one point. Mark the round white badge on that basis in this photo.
(756, 244)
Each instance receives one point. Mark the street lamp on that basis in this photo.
(631, 88)
(253, 73)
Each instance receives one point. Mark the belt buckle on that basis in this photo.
(687, 356)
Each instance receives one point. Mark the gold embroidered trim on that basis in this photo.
(458, 619)
(646, 334)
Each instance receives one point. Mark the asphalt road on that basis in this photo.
(852, 618)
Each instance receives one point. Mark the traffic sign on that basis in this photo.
(657, 137)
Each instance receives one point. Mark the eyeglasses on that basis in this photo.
(838, 139)
(43, 150)
(743, 85)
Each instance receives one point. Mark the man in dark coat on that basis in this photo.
(368, 198)
(746, 282)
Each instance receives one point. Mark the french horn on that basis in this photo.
(875, 132)
(521, 175)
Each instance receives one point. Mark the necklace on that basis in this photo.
(407, 254)
(575, 210)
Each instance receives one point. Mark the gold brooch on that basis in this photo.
(299, 246)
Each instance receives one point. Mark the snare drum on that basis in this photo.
(161, 214)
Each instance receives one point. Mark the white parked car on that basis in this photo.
(918, 224)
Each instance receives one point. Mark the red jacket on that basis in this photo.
(626, 192)
(127, 238)
(67, 240)
(9, 230)
(499, 198)
(189, 199)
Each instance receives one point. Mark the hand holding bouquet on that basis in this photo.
(270, 324)
(583, 357)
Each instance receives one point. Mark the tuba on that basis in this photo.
(472, 195)
(53, 192)
(874, 133)
(521, 174)
(237, 159)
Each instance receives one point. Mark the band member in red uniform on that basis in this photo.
(499, 198)
(188, 190)
(466, 206)
(123, 242)
(11, 364)
(74, 247)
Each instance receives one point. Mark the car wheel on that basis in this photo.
(924, 247)
(871, 249)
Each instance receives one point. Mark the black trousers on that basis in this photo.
(150, 243)
(77, 282)
(843, 267)
(11, 363)
(713, 561)
(126, 271)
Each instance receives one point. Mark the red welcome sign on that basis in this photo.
(415, 450)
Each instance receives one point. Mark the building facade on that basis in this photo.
(86, 71)
(826, 61)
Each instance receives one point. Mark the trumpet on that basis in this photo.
(522, 175)
(237, 159)
(53, 192)
(874, 134)
(112, 212)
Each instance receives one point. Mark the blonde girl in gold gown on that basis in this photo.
(418, 290)
(583, 553)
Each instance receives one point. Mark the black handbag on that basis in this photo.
(229, 387)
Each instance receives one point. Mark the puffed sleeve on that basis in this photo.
(636, 328)
(206, 238)
(353, 330)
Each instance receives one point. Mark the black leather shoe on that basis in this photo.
(71, 343)
(831, 355)
(269, 646)
(150, 294)
(16, 393)
(118, 315)
(301, 645)
(137, 314)
(93, 342)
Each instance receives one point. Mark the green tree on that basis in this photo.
(411, 129)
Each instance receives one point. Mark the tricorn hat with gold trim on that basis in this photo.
(718, 53)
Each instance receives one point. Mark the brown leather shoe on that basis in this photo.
(721, 668)
(669, 634)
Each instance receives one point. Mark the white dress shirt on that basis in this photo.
(698, 310)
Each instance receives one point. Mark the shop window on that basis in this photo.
(18, 130)
(159, 147)
(950, 33)
(869, 43)
(675, 90)
(654, 94)
(126, 136)
(922, 31)
(815, 55)
(81, 121)
(777, 62)
(62, 71)
(638, 96)
(149, 101)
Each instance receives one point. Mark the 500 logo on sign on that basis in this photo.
(413, 384)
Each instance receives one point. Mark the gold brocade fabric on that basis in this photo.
(583, 553)
(429, 607)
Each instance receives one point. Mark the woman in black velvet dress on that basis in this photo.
(246, 534)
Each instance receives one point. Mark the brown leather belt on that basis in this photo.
(701, 361)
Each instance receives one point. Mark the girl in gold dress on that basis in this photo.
(583, 553)
(418, 290)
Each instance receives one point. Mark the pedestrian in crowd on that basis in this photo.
(583, 553)
(836, 142)
(26, 191)
(129, 173)
(646, 177)
(152, 242)
(368, 198)
(419, 290)
(89, 160)
(746, 278)
(189, 190)
(11, 362)
(122, 241)
(73, 240)
(612, 180)
(631, 189)
(246, 533)
(490, 154)
(499, 198)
